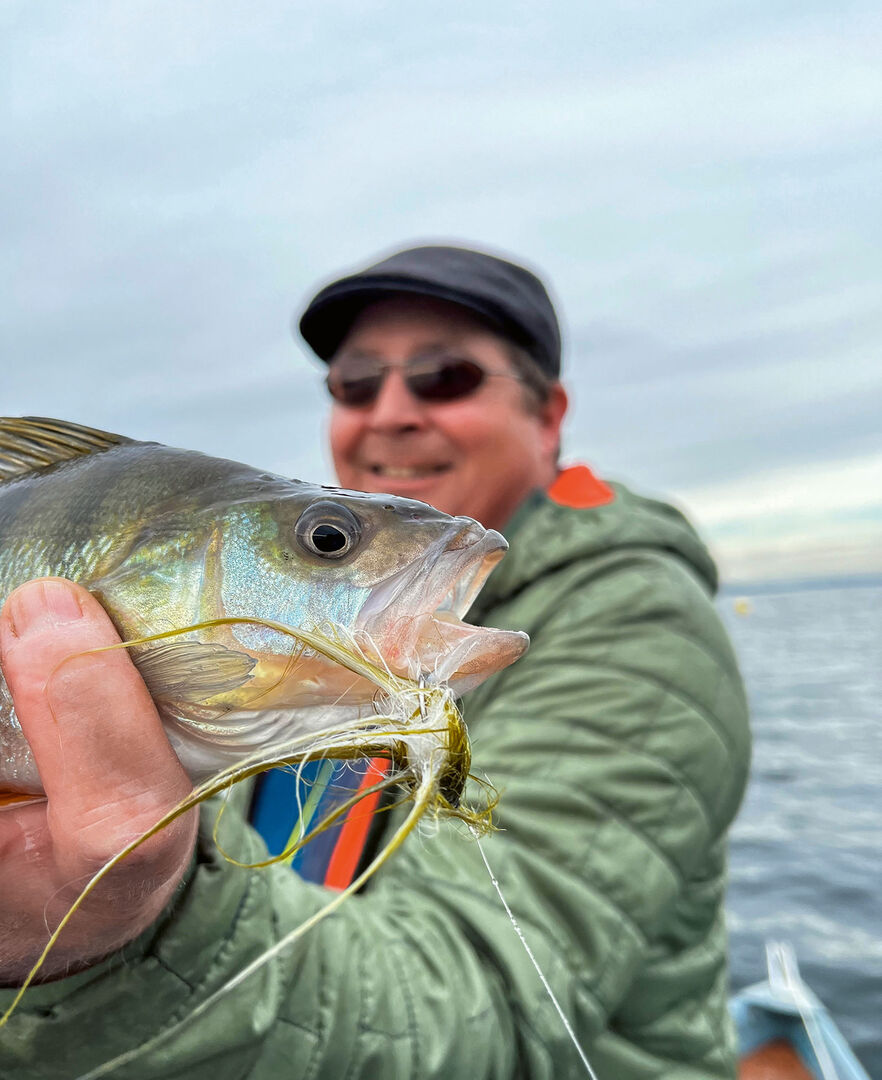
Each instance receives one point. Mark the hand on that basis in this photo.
(109, 774)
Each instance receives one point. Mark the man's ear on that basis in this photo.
(551, 416)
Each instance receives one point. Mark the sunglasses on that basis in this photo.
(356, 381)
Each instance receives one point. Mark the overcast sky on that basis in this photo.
(699, 183)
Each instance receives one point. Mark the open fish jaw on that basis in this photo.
(413, 620)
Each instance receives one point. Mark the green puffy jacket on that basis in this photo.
(620, 747)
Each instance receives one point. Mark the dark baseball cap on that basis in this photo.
(507, 296)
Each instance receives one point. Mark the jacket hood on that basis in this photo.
(546, 536)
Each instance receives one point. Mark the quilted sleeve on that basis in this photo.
(619, 747)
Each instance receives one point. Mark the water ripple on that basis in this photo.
(806, 848)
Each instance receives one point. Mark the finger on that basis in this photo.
(104, 760)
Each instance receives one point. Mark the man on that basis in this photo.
(619, 745)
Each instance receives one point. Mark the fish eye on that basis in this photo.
(328, 530)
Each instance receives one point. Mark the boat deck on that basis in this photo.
(784, 1032)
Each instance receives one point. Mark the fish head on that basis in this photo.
(395, 575)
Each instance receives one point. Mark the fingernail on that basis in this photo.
(40, 602)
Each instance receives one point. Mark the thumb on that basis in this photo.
(105, 763)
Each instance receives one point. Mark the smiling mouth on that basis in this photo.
(407, 472)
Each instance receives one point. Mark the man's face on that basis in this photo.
(480, 455)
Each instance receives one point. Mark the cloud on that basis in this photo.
(823, 519)
(697, 182)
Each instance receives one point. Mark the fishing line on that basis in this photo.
(514, 922)
(421, 683)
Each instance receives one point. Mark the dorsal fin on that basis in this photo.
(28, 443)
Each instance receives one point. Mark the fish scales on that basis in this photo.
(71, 516)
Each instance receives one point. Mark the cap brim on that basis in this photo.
(328, 319)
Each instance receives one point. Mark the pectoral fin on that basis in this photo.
(189, 671)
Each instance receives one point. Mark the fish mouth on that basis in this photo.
(413, 621)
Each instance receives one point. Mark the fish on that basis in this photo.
(209, 566)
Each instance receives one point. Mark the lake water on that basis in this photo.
(806, 862)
